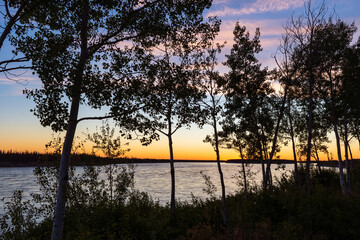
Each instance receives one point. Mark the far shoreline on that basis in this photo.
(35, 159)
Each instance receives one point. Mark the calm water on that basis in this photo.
(153, 178)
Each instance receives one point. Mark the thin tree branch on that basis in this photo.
(23, 59)
(177, 128)
(161, 131)
(7, 9)
(94, 118)
(4, 70)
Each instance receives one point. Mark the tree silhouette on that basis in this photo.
(16, 16)
(211, 86)
(332, 40)
(71, 49)
(110, 145)
(247, 95)
(350, 91)
(173, 75)
(335, 38)
(286, 74)
(301, 31)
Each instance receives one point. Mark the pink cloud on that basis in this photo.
(215, 2)
(260, 6)
(268, 28)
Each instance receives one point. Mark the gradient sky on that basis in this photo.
(20, 130)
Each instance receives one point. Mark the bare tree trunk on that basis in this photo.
(244, 172)
(296, 172)
(310, 119)
(357, 132)
(335, 125)
(172, 168)
(268, 178)
(341, 173)
(317, 157)
(58, 223)
(223, 194)
(262, 164)
(261, 153)
(245, 181)
(111, 181)
(351, 157)
(281, 114)
(346, 143)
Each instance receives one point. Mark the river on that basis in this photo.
(153, 178)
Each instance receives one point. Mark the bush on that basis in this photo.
(281, 212)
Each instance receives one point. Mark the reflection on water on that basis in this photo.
(153, 178)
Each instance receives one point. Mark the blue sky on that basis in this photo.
(20, 130)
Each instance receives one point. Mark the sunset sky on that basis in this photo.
(20, 130)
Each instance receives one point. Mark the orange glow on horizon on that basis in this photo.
(187, 144)
(160, 150)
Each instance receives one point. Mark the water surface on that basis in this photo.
(153, 178)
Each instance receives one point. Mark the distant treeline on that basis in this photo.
(325, 163)
(28, 159)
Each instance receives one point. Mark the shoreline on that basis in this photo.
(104, 161)
(34, 159)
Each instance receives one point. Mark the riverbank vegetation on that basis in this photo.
(284, 211)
